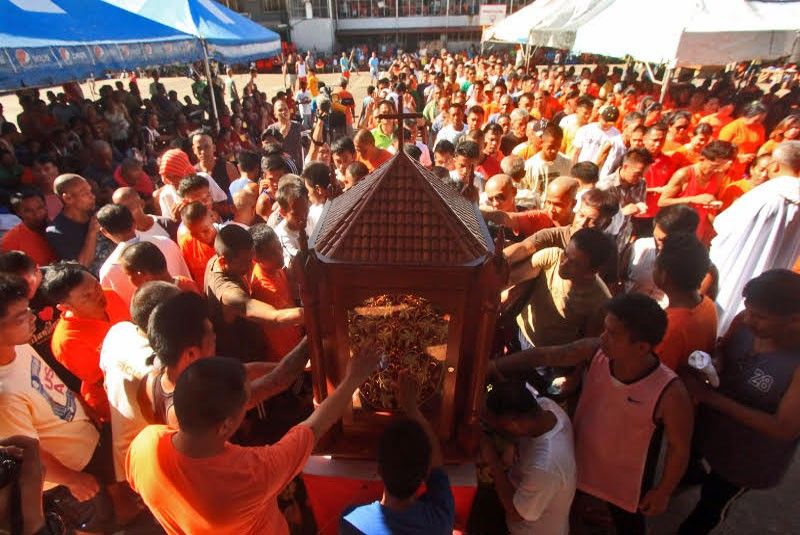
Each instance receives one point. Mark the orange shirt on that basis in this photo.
(688, 329)
(33, 244)
(233, 493)
(733, 191)
(748, 138)
(273, 289)
(768, 147)
(197, 254)
(685, 155)
(670, 147)
(185, 284)
(76, 344)
(717, 122)
(381, 156)
(530, 222)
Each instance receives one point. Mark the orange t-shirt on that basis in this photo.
(381, 157)
(33, 244)
(530, 222)
(685, 155)
(717, 122)
(748, 138)
(769, 146)
(273, 289)
(233, 493)
(688, 329)
(76, 344)
(733, 191)
(197, 254)
(185, 284)
(670, 147)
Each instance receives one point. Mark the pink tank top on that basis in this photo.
(614, 424)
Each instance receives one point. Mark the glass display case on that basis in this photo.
(401, 262)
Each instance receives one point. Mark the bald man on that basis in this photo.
(222, 171)
(244, 209)
(73, 234)
(367, 152)
(557, 212)
(147, 225)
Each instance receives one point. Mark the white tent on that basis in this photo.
(678, 32)
(692, 32)
(545, 22)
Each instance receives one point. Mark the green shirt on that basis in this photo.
(382, 141)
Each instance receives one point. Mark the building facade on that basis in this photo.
(332, 25)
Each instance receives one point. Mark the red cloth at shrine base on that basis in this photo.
(335, 484)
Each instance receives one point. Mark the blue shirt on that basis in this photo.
(238, 185)
(432, 514)
(373, 64)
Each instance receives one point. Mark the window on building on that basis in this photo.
(319, 8)
(352, 9)
(272, 5)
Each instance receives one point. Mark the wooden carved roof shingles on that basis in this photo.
(401, 214)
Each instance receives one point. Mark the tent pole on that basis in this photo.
(528, 52)
(210, 84)
(665, 84)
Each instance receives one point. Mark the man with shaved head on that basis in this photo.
(147, 225)
(557, 212)
(223, 172)
(73, 234)
(367, 152)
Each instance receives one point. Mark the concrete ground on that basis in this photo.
(757, 512)
(270, 83)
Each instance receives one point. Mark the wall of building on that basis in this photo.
(392, 23)
(310, 34)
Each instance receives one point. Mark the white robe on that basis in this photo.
(759, 232)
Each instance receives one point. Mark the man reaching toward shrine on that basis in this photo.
(195, 481)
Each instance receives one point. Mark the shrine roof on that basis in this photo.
(402, 214)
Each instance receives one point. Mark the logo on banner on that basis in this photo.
(126, 52)
(148, 49)
(98, 51)
(23, 58)
(64, 53)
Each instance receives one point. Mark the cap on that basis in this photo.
(175, 163)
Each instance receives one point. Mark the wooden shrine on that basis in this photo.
(403, 261)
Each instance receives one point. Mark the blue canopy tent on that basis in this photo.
(47, 42)
(225, 35)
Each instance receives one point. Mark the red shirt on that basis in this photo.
(76, 344)
(489, 167)
(33, 244)
(530, 222)
(657, 176)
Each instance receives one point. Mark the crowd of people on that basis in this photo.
(153, 359)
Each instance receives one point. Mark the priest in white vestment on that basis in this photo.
(759, 232)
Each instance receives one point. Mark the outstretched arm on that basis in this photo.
(361, 365)
(530, 359)
(281, 377)
(407, 397)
